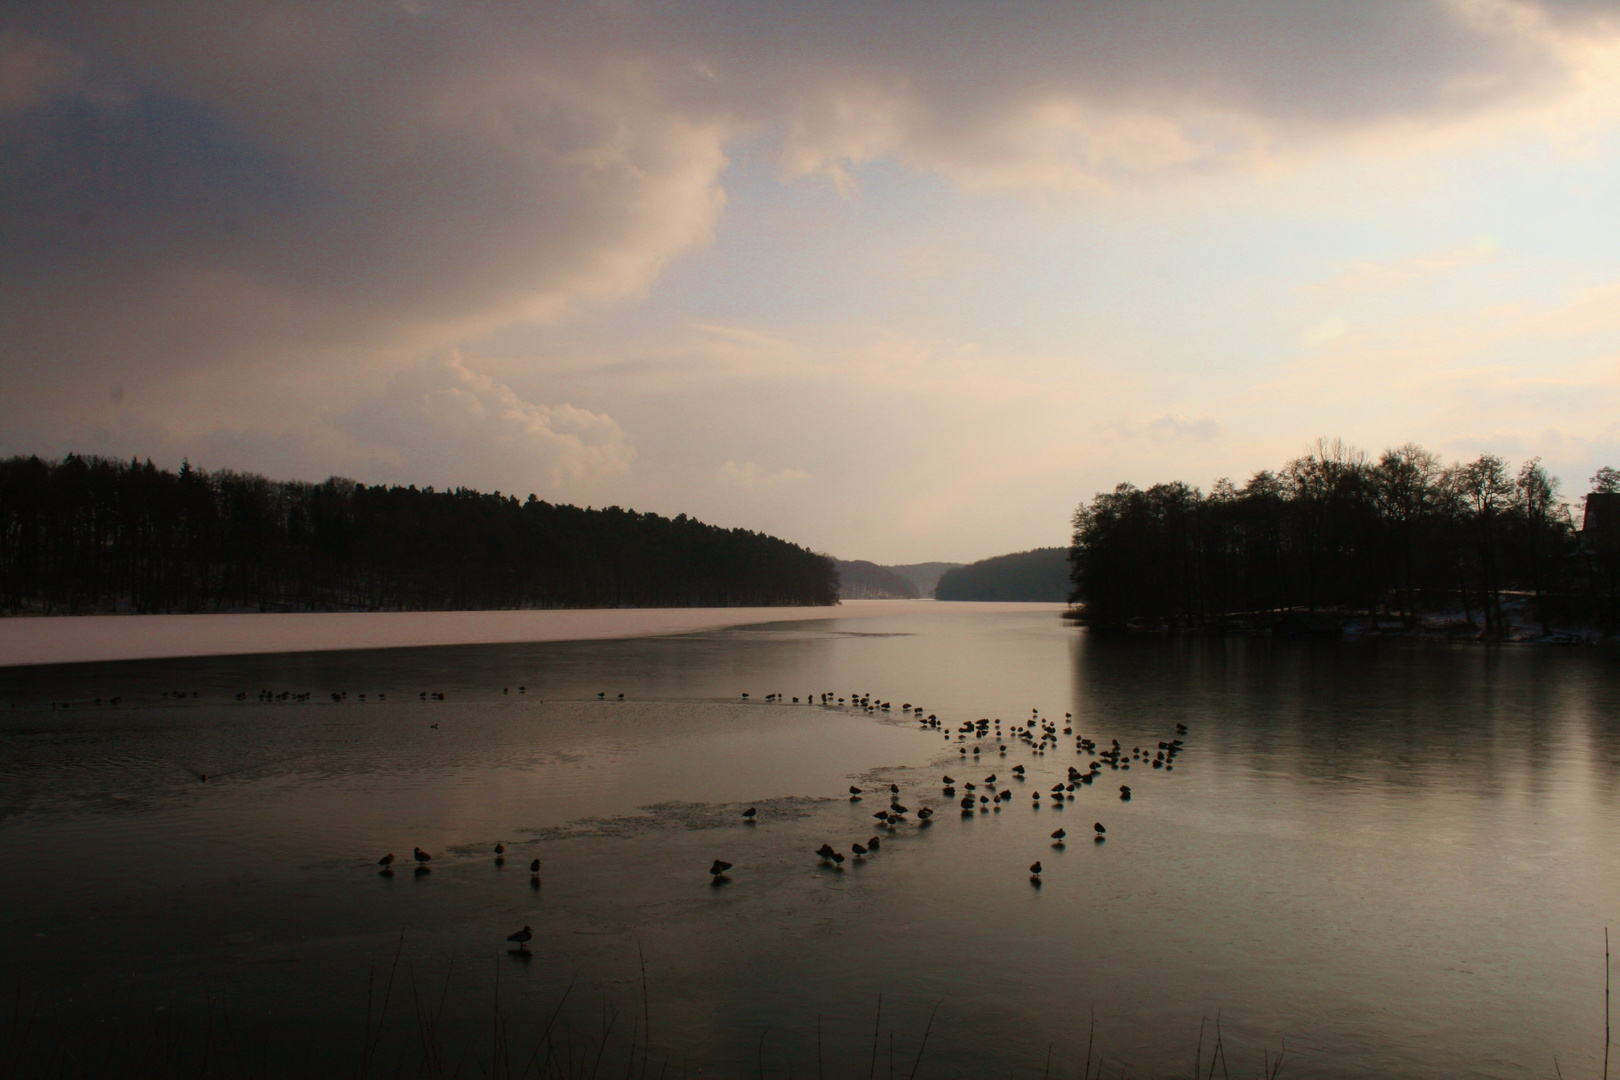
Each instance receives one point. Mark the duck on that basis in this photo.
(748, 814)
(387, 860)
(422, 856)
(858, 849)
(522, 937)
(1059, 835)
(720, 867)
(872, 844)
(534, 867)
(500, 849)
(1035, 867)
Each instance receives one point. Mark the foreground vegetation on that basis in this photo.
(1337, 531)
(86, 534)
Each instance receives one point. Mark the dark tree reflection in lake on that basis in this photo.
(1398, 857)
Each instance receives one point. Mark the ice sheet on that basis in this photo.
(80, 638)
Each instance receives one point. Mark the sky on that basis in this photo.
(898, 281)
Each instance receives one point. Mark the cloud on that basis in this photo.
(751, 477)
(271, 183)
(441, 418)
(1168, 427)
(1327, 330)
(1108, 94)
(268, 183)
(32, 72)
(1366, 276)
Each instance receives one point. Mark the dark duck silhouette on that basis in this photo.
(422, 856)
(748, 815)
(719, 868)
(386, 861)
(522, 937)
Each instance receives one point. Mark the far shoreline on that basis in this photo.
(28, 641)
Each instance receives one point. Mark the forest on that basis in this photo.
(1335, 531)
(88, 534)
(1038, 575)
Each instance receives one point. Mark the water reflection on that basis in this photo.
(1398, 857)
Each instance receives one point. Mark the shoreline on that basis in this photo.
(78, 639)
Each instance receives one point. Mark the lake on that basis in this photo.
(1379, 858)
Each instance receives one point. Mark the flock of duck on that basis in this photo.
(1037, 734)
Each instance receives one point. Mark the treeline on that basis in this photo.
(1334, 530)
(862, 580)
(1041, 574)
(88, 534)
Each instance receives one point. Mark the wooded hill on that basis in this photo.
(1041, 574)
(862, 580)
(87, 534)
(1337, 531)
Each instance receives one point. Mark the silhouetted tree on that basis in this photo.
(88, 534)
(1332, 530)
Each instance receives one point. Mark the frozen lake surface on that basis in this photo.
(82, 639)
(1398, 858)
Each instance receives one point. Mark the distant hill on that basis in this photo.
(924, 575)
(1042, 574)
(862, 580)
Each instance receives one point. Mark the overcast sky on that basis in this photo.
(899, 281)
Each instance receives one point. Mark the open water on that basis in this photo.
(1380, 858)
